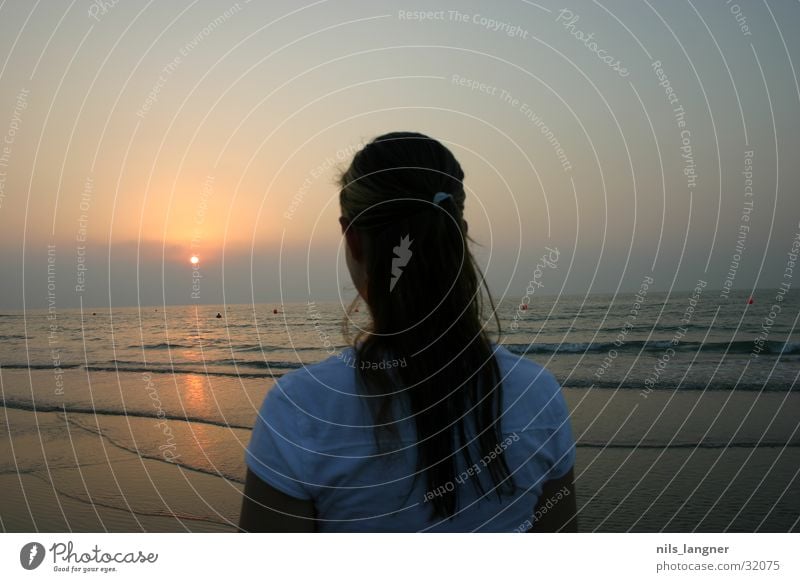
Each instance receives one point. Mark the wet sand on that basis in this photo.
(711, 461)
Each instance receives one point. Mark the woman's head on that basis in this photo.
(387, 201)
(408, 254)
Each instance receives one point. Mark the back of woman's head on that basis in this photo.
(404, 196)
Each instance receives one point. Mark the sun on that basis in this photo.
(194, 260)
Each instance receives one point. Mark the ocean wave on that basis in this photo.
(665, 385)
(50, 366)
(200, 371)
(201, 366)
(567, 348)
(791, 348)
(693, 445)
(287, 348)
(75, 409)
(160, 346)
(239, 369)
(734, 347)
(266, 365)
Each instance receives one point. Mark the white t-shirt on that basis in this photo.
(314, 439)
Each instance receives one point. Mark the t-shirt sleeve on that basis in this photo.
(278, 452)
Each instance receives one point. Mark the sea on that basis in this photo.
(667, 342)
(685, 404)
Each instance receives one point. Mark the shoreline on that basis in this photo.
(676, 461)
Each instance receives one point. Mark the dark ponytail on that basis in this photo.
(424, 292)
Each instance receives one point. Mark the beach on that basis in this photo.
(70, 471)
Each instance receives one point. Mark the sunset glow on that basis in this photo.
(194, 260)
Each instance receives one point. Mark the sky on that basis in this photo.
(652, 139)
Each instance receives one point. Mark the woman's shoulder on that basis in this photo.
(521, 369)
(314, 385)
(530, 391)
(325, 403)
(327, 388)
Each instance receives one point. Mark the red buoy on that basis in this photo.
(523, 307)
(750, 301)
(274, 311)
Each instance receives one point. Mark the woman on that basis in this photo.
(424, 424)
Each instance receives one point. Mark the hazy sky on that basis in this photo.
(136, 134)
